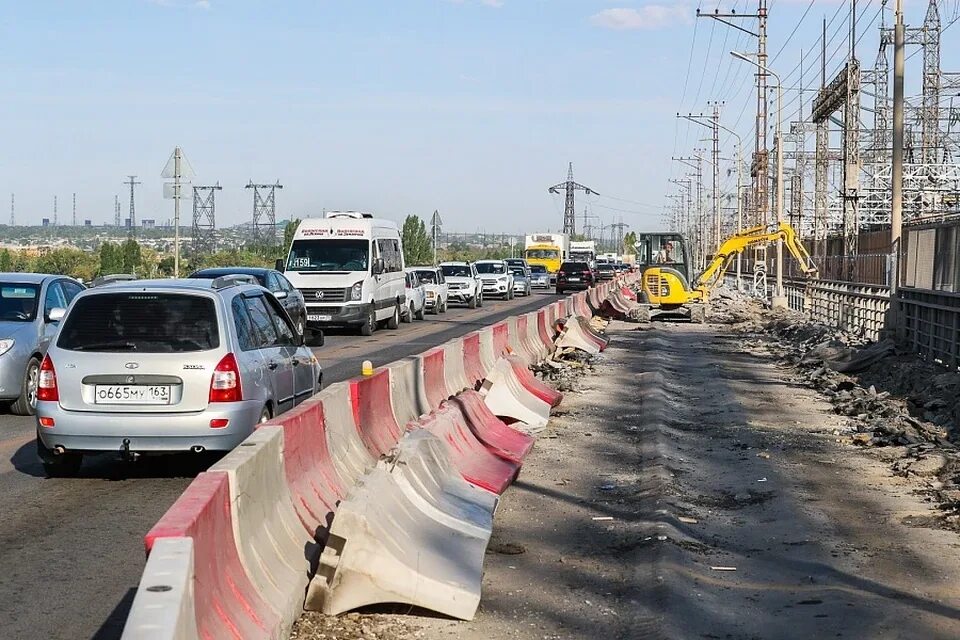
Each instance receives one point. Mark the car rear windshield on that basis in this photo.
(18, 302)
(537, 268)
(575, 266)
(141, 322)
(605, 267)
(427, 277)
(491, 267)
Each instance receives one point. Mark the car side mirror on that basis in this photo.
(279, 265)
(378, 267)
(279, 295)
(56, 314)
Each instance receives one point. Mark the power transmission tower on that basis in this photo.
(264, 229)
(116, 211)
(54, 210)
(588, 224)
(569, 209)
(74, 209)
(132, 181)
(759, 168)
(204, 234)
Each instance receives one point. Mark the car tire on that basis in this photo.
(474, 302)
(394, 321)
(26, 404)
(265, 415)
(368, 327)
(443, 309)
(559, 291)
(480, 299)
(408, 316)
(421, 314)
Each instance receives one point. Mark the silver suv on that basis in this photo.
(159, 366)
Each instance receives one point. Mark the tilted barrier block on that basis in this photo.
(596, 335)
(477, 464)
(535, 387)
(382, 549)
(506, 397)
(373, 412)
(472, 362)
(434, 378)
(274, 547)
(227, 604)
(164, 607)
(573, 335)
(495, 434)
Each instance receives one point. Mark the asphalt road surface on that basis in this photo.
(71, 550)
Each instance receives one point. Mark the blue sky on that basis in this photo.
(472, 107)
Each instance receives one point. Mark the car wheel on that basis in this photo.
(66, 465)
(474, 302)
(559, 291)
(443, 309)
(394, 321)
(408, 316)
(479, 298)
(368, 327)
(26, 404)
(421, 314)
(265, 415)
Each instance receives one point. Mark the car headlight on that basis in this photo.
(356, 291)
(5, 345)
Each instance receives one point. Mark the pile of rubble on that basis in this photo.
(565, 367)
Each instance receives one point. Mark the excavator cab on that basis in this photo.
(664, 259)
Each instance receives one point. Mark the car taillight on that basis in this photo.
(225, 384)
(47, 382)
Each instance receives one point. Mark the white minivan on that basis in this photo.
(349, 267)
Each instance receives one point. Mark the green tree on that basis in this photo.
(6, 261)
(288, 231)
(110, 259)
(130, 256)
(417, 248)
(629, 240)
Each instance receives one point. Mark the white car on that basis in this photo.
(416, 297)
(463, 283)
(435, 286)
(496, 278)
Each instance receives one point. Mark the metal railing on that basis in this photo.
(930, 321)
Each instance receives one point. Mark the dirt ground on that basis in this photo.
(694, 489)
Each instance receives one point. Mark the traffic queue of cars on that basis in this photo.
(143, 367)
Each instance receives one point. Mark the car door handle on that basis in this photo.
(272, 366)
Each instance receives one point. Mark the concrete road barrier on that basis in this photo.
(572, 335)
(537, 388)
(520, 341)
(164, 607)
(382, 549)
(496, 435)
(598, 337)
(373, 412)
(506, 397)
(434, 377)
(487, 356)
(545, 329)
(408, 395)
(472, 362)
(501, 338)
(351, 457)
(227, 604)
(311, 474)
(477, 464)
(274, 548)
(454, 368)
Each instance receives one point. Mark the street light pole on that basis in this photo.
(779, 298)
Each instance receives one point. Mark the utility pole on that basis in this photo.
(74, 209)
(264, 229)
(132, 181)
(435, 223)
(116, 211)
(699, 244)
(54, 210)
(569, 209)
(13, 219)
(896, 192)
(713, 122)
(851, 151)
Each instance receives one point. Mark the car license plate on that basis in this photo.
(132, 394)
(574, 279)
(315, 317)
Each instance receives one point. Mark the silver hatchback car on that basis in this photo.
(167, 365)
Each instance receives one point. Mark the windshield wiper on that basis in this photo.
(119, 346)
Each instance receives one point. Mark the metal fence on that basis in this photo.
(930, 323)
(860, 309)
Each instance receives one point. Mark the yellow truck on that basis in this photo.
(548, 250)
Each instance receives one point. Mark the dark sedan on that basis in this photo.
(574, 275)
(274, 281)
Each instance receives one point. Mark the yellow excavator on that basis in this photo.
(664, 259)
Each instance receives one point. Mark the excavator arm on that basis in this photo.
(739, 242)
